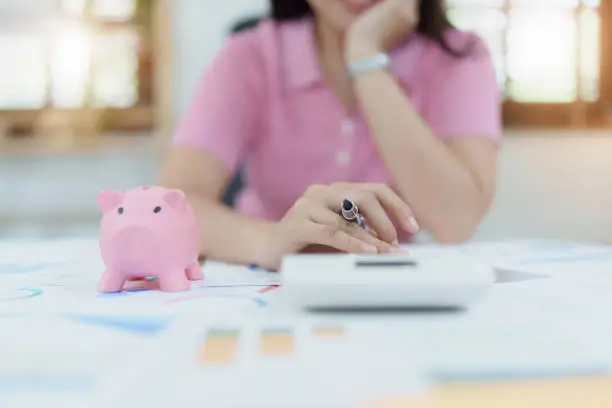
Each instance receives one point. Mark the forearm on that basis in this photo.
(228, 236)
(445, 196)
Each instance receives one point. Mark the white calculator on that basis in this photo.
(347, 281)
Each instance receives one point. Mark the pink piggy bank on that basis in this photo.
(148, 232)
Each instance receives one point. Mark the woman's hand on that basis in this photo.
(315, 219)
(381, 27)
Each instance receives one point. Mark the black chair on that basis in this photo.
(236, 184)
(244, 24)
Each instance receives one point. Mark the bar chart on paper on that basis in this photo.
(220, 346)
(258, 362)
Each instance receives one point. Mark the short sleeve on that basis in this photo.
(463, 98)
(222, 115)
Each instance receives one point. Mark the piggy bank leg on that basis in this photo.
(194, 272)
(174, 282)
(111, 281)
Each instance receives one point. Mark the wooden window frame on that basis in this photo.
(577, 114)
(154, 74)
(156, 114)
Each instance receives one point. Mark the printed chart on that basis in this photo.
(220, 345)
(48, 288)
(12, 295)
(66, 282)
(277, 362)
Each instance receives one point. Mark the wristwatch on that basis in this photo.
(378, 61)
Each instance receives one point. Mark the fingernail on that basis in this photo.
(369, 249)
(396, 243)
(398, 251)
(413, 224)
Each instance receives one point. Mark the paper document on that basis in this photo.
(277, 362)
(220, 274)
(62, 277)
(549, 315)
(522, 260)
(56, 362)
(138, 301)
(521, 251)
(525, 329)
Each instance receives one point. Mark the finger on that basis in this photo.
(393, 204)
(327, 217)
(366, 236)
(367, 204)
(335, 238)
(377, 217)
(371, 231)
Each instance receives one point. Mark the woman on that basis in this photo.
(381, 102)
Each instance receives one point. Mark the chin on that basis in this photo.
(342, 24)
(334, 13)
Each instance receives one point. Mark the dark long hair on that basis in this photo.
(432, 23)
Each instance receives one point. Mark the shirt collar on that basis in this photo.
(301, 67)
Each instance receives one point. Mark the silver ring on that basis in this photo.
(350, 212)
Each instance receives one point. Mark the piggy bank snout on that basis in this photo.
(134, 238)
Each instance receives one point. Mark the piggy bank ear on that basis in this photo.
(108, 199)
(176, 199)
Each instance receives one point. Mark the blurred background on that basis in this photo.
(90, 91)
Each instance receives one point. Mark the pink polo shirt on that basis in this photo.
(262, 102)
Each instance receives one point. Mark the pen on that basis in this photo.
(350, 212)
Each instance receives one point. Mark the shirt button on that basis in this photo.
(343, 158)
(348, 127)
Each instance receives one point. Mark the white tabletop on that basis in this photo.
(548, 315)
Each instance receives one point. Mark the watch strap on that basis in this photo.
(378, 61)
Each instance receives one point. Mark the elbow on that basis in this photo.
(457, 224)
(456, 229)
(450, 236)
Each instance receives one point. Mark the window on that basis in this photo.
(75, 56)
(549, 56)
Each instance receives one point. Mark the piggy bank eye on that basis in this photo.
(157, 210)
(120, 210)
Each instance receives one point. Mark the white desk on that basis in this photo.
(595, 392)
(73, 267)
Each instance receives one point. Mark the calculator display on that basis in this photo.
(391, 263)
